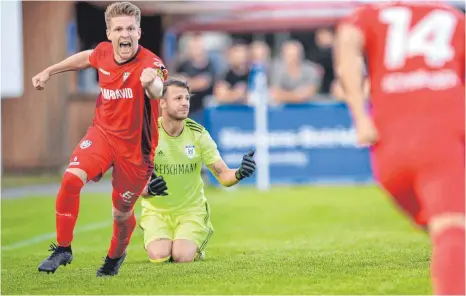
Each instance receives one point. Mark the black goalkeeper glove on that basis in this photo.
(247, 167)
(157, 185)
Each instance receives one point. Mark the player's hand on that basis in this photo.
(366, 132)
(40, 80)
(148, 76)
(157, 185)
(247, 167)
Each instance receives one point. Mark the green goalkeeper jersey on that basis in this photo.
(179, 160)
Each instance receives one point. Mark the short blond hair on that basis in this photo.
(122, 9)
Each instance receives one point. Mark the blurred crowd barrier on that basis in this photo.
(308, 143)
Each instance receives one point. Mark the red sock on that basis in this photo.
(448, 262)
(67, 208)
(122, 232)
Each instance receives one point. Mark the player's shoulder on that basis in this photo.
(193, 126)
(360, 16)
(149, 57)
(423, 7)
(450, 8)
(104, 46)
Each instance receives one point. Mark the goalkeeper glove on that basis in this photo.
(247, 167)
(157, 185)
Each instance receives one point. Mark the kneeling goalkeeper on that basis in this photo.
(176, 221)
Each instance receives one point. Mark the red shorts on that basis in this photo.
(95, 156)
(425, 175)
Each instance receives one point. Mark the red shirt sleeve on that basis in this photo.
(156, 63)
(362, 18)
(96, 54)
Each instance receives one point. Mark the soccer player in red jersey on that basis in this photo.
(123, 134)
(415, 54)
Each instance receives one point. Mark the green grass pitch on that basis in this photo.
(300, 240)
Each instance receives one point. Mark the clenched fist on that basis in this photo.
(366, 132)
(148, 76)
(40, 80)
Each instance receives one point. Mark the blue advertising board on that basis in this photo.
(309, 143)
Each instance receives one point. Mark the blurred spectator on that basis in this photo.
(294, 80)
(200, 74)
(233, 87)
(259, 52)
(323, 56)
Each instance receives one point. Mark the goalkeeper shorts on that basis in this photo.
(193, 225)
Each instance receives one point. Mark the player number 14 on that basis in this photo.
(430, 37)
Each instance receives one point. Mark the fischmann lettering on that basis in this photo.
(175, 169)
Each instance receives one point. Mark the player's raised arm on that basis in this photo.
(229, 177)
(348, 56)
(152, 83)
(153, 77)
(75, 62)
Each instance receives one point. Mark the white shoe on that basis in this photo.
(200, 256)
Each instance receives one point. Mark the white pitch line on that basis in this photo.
(51, 235)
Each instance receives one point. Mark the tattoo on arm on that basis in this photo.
(217, 169)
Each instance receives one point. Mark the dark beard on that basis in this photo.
(177, 118)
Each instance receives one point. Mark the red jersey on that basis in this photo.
(123, 110)
(415, 55)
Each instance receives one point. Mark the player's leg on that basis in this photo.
(159, 250)
(397, 180)
(128, 181)
(441, 190)
(192, 235)
(90, 159)
(184, 250)
(407, 201)
(158, 235)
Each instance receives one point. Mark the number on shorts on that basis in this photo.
(430, 37)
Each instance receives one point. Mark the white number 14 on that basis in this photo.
(430, 37)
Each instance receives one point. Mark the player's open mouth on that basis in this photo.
(126, 45)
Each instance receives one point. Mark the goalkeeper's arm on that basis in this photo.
(229, 177)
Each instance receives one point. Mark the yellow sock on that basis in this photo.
(160, 260)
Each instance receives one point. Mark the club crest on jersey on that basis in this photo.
(125, 76)
(85, 144)
(190, 151)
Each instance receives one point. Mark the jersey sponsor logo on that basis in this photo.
(190, 151)
(85, 144)
(160, 153)
(126, 75)
(175, 169)
(104, 72)
(417, 80)
(116, 94)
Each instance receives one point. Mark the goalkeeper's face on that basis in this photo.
(175, 103)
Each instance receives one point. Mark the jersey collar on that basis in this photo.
(130, 60)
